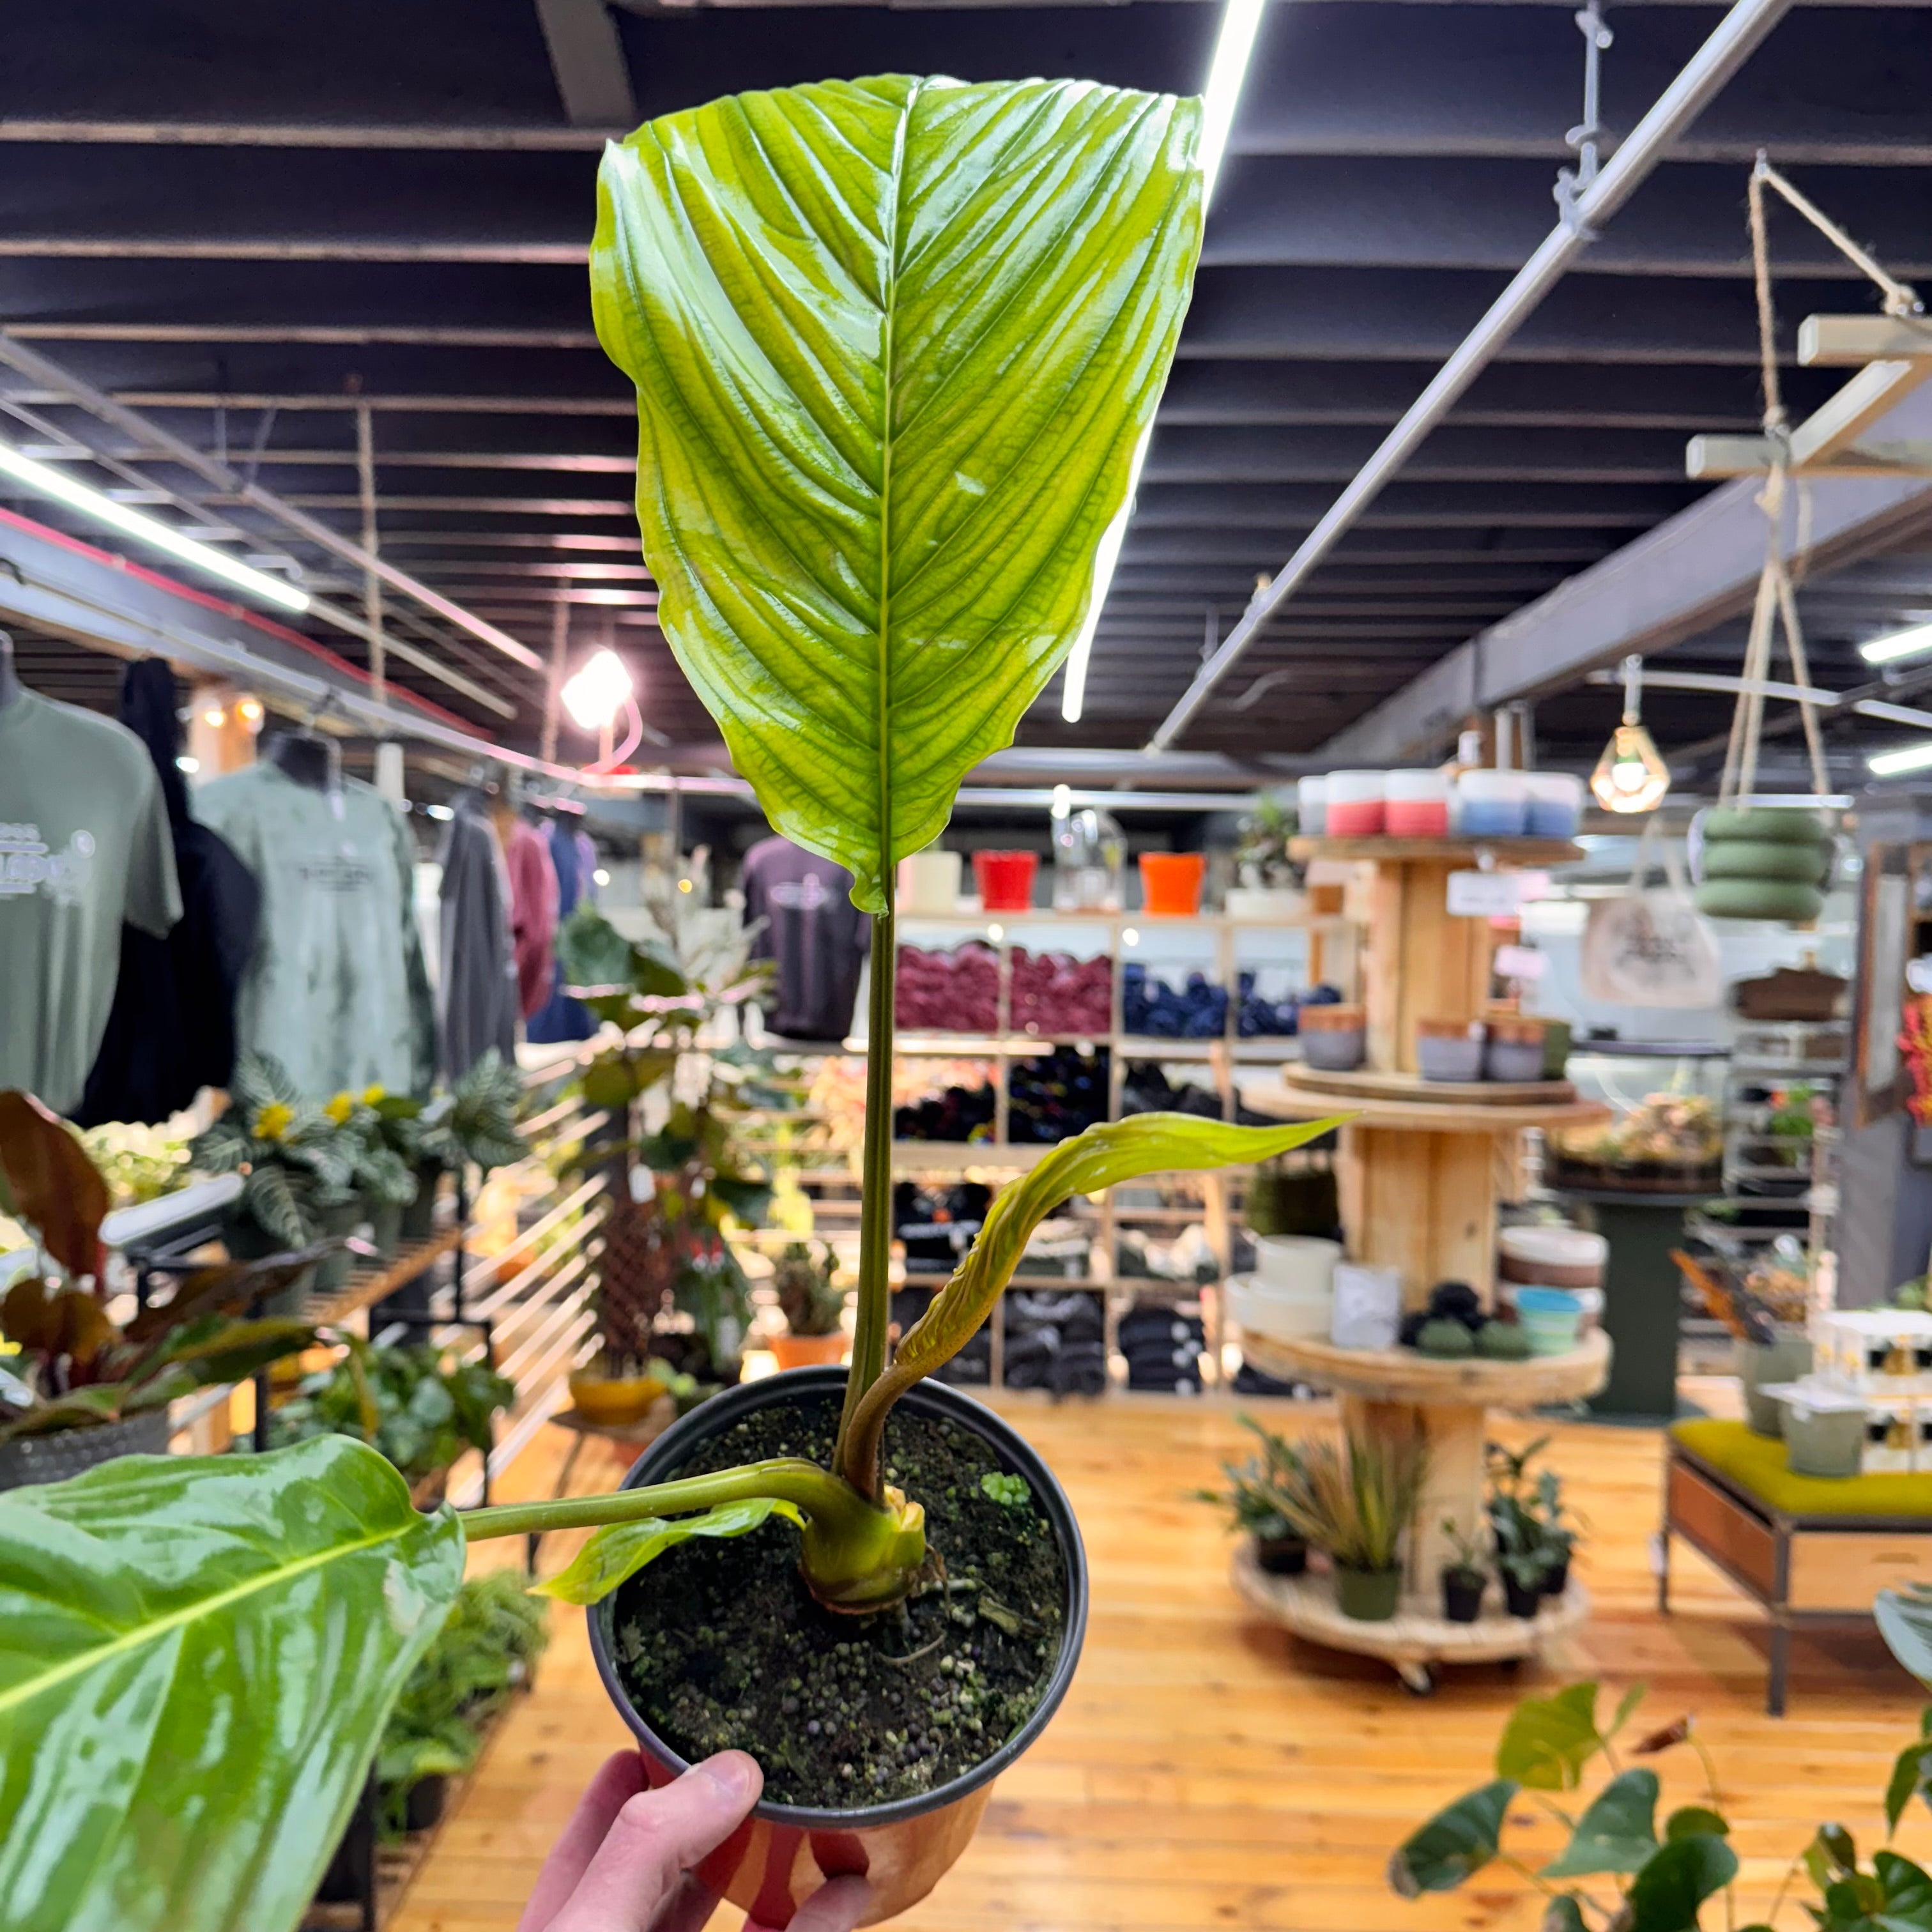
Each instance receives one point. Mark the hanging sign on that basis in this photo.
(1493, 894)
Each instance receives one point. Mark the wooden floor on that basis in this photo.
(1208, 1772)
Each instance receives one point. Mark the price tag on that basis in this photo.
(1494, 894)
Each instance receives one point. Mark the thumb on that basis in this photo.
(655, 1839)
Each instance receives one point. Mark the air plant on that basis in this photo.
(895, 344)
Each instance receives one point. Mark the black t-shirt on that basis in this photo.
(814, 932)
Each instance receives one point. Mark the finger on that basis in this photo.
(620, 1778)
(656, 1837)
(837, 1906)
(689, 1908)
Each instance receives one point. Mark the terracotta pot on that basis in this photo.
(614, 1401)
(782, 1853)
(809, 1352)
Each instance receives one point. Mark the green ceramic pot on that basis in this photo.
(1785, 1360)
(247, 1239)
(385, 1227)
(1369, 1596)
(331, 1277)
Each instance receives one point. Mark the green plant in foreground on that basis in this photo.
(1644, 1875)
(895, 343)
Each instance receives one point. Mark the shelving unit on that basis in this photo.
(1330, 951)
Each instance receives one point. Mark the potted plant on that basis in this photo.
(1464, 1580)
(386, 1153)
(297, 1163)
(79, 1389)
(1268, 881)
(813, 1305)
(473, 1124)
(417, 1405)
(1252, 1500)
(1623, 1867)
(1355, 1500)
(876, 486)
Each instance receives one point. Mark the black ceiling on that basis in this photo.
(244, 219)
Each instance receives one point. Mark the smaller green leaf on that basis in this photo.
(1617, 1832)
(1694, 1821)
(1457, 1842)
(1911, 1776)
(1908, 1892)
(1564, 1915)
(1012, 1491)
(1835, 1842)
(591, 951)
(617, 1552)
(1904, 1618)
(1548, 1741)
(1665, 1895)
(1628, 1701)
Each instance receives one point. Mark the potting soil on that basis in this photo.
(722, 1647)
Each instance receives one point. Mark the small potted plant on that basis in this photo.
(1464, 1580)
(813, 1305)
(386, 1156)
(297, 1163)
(79, 1388)
(1269, 882)
(1252, 1500)
(1558, 1536)
(1355, 1500)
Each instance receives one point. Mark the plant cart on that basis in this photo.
(1398, 1392)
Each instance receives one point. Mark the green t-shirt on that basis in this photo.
(337, 990)
(84, 845)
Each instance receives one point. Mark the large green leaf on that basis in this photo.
(895, 341)
(1548, 1741)
(1458, 1841)
(196, 1655)
(1617, 1832)
(1665, 1895)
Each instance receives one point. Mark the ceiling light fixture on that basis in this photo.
(595, 697)
(48, 481)
(1898, 644)
(1233, 47)
(1630, 776)
(1889, 764)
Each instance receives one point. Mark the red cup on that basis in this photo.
(1005, 880)
(1171, 882)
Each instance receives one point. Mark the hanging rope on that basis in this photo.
(1776, 604)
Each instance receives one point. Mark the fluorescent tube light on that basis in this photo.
(1889, 764)
(1240, 20)
(1899, 644)
(63, 488)
(1073, 688)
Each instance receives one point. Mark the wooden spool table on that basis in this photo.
(1397, 1392)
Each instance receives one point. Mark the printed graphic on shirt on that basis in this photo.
(804, 895)
(28, 864)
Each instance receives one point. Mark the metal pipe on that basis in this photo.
(372, 584)
(39, 368)
(1736, 37)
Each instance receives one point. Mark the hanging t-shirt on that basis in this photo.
(533, 911)
(476, 982)
(337, 990)
(561, 1017)
(814, 932)
(84, 845)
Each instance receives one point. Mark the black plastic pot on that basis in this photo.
(1462, 1595)
(1523, 1599)
(422, 1809)
(418, 1219)
(1557, 1580)
(1282, 1555)
(784, 1852)
(247, 1239)
(53, 1458)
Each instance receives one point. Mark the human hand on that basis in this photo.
(625, 1862)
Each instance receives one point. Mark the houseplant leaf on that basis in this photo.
(196, 1655)
(1548, 1741)
(1904, 1619)
(1665, 1895)
(52, 1185)
(1690, 1821)
(1459, 1841)
(1911, 1776)
(895, 341)
(620, 1550)
(1617, 1832)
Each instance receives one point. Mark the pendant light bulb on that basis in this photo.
(1630, 776)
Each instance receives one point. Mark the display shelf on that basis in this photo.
(1291, 1098)
(1484, 1093)
(369, 1285)
(1516, 851)
(1415, 1640)
(1406, 1375)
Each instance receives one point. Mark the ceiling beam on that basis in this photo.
(374, 136)
(587, 58)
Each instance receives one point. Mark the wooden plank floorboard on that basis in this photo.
(1208, 1770)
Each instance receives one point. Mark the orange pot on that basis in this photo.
(1171, 882)
(807, 1352)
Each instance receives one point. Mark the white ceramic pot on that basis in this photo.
(929, 883)
(1265, 902)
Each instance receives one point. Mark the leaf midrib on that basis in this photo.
(25, 1693)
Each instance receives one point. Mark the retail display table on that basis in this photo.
(1810, 1550)
(1397, 1392)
